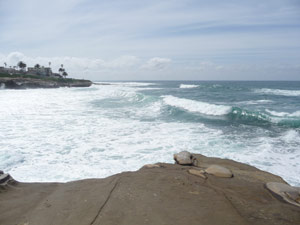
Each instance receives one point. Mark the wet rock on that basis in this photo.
(288, 193)
(199, 173)
(1, 172)
(183, 158)
(219, 171)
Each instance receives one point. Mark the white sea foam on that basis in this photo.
(284, 114)
(127, 84)
(197, 106)
(271, 155)
(278, 92)
(57, 135)
(2, 86)
(255, 102)
(188, 86)
(67, 134)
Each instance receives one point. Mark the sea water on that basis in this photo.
(74, 133)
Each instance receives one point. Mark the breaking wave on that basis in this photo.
(234, 113)
(283, 114)
(188, 86)
(196, 106)
(278, 92)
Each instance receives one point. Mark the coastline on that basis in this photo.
(156, 194)
(28, 82)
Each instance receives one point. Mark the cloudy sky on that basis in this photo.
(155, 39)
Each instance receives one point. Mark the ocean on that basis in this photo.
(67, 134)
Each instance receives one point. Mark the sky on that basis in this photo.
(155, 39)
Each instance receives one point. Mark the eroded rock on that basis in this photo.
(184, 158)
(5, 179)
(151, 166)
(288, 193)
(219, 171)
(199, 173)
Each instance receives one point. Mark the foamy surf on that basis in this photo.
(188, 86)
(197, 106)
(106, 129)
(278, 92)
(283, 114)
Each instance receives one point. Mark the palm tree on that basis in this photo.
(61, 70)
(22, 65)
(49, 64)
(5, 64)
(37, 66)
(65, 74)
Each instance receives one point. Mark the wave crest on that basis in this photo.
(197, 106)
(278, 92)
(188, 86)
(283, 114)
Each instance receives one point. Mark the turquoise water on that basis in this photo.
(67, 134)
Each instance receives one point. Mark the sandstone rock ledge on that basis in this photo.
(26, 83)
(156, 194)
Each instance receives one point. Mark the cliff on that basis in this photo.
(193, 194)
(24, 82)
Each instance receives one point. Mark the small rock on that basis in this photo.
(151, 166)
(288, 193)
(199, 173)
(195, 162)
(4, 178)
(183, 158)
(219, 171)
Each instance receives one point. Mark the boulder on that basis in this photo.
(4, 178)
(219, 171)
(288, 193)
(183, 158)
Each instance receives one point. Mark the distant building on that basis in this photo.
(41, 71)
(8, 70)
(35, 71)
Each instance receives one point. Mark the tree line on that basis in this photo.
(22, 66)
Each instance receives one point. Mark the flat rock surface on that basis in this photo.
(219, 171)
(168, 194)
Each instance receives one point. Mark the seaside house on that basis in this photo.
(39, 71)
(9, 70)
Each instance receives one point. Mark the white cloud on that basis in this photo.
(131, 67)
(156, 63)
(14, 57)
(77, 66)
(122, 36)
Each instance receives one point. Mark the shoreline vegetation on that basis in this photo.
(23, 77)
(194, 190)
(23, 81)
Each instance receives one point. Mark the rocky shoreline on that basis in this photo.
(27, 83)
(195, 190)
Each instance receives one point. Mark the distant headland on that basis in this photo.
(23, 77)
